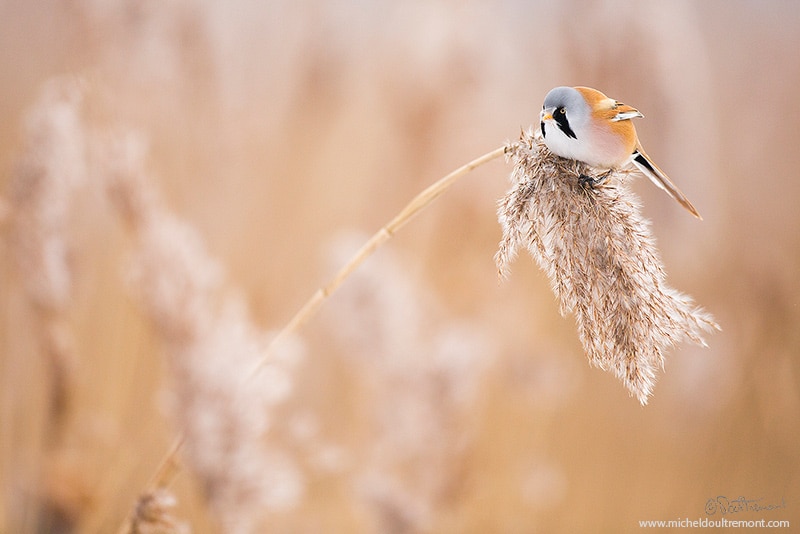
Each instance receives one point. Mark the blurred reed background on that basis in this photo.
(176, 178)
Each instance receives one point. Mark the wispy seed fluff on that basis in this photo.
(602, 262)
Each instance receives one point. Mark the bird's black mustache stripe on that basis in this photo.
(563, 123)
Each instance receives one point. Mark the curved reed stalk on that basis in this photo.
(417, 204)
(169, 466)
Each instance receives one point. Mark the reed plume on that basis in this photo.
(602, 262)
(211, 345)
(423, 375)
(153, 515)
(42, 193)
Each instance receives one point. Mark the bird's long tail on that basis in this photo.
(658, 177)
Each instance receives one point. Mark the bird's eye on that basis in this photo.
(562, 111)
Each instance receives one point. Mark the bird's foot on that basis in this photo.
(591, 181)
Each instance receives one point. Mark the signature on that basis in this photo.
(727, 506)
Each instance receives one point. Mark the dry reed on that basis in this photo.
(602, 262)
(42, 191)
(417, 204)
(211, 344)
(254, 108)
(227, 379)
(153, 515)
(422, 374)
(179, 284)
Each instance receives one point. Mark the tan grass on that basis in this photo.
(602, 262)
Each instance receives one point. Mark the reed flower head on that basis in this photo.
(49, 171)
(43, 191)
(423, 372)
(153, 515)
(212, 346)
(602, 262)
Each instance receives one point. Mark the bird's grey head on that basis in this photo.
(567, 107)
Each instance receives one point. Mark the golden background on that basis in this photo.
(285, 133)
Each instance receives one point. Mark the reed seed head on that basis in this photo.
(602, 262)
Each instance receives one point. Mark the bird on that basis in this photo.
(583, 124)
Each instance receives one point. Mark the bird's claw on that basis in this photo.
(591, 181)
(587, 181)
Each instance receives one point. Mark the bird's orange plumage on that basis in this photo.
(605, 109)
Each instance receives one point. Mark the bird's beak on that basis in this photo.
(546, 115)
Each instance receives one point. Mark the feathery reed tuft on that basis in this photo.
(41, 192)
(224, 411)
(42, 188)
(423, 374)
(42, 195)
(153, 515)
(602, 262)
